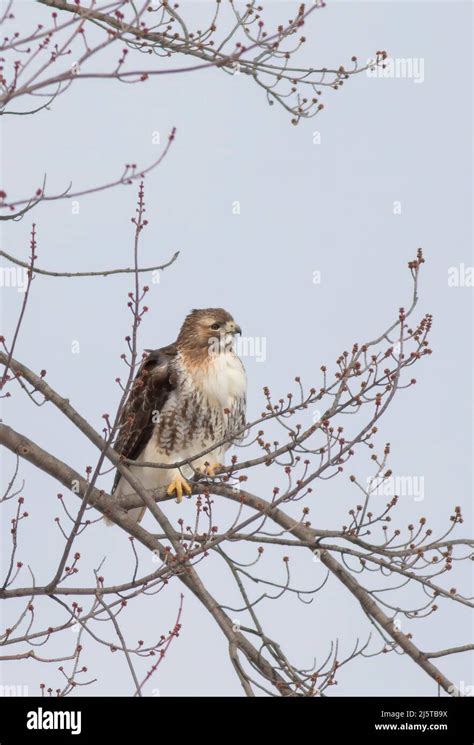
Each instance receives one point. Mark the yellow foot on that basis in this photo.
(211, 470)
(178, 485)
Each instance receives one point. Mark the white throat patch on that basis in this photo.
(223, 380)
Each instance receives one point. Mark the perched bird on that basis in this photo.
(186, 397)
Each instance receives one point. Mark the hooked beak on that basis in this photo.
(231, 327)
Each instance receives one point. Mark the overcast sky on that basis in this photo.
(319, 197)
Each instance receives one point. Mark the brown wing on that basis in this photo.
(150, 390)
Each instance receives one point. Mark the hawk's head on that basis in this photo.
(207, 331)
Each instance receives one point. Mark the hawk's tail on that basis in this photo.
(136, 513)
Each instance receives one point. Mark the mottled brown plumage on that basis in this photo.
(150, 389)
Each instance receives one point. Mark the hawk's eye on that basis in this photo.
(215, 326)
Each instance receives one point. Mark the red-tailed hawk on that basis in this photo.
(185, 398)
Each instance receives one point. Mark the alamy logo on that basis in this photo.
(461, 690)
(13, 690)
(14, 276)
(63, 720)
(411, 68)
(243, 346)
(461, 276)
(401, 486)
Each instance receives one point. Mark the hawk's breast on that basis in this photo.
(223, 380)
(207, 405)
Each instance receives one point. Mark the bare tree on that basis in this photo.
(240, 43)
(362, 385)
(370, 555)
(132, 44)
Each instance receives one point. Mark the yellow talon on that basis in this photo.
(177, 485)
(211, 470)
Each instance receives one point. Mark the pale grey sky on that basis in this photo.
(326, 206)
